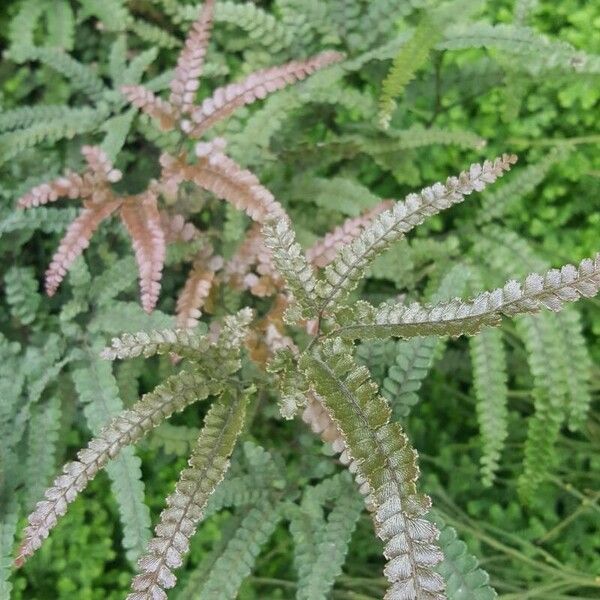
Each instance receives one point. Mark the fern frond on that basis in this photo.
(222, 176)
(173, 395)
(152, 105)
(61, 26)
(342, 276)
(458, 317)
(21, 290)
(495, 204)
(194, 294)
(81, 76)
(111, 13)
(75, 241)
(412, 56)
(314, 537)
(76, 121)
(388, 463)
(239, 555)
(142, 220)
(99, 394)
(292, 264)
(256, 86)
(208, 463)
(491, 392)
(116, 130)
(179, 341)
(41, 449)
(22, 28)
(465, 579)
(538, 52)
(191, 60)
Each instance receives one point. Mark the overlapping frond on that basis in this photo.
(194, 294)
(343, 274)
(208, 463)
(458, 317)
(388, 463)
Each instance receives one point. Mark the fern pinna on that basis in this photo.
(305, 343)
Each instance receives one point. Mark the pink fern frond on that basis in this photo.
(222, 176)
(191, 60)
(102, 169)
(70, 185)
(256, 86)
(193, 295)
(75, 241)
(152, 105)
(323, 251)
(141, 218)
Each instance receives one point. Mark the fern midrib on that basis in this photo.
(391, 470)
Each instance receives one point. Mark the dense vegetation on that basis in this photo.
(506, 422)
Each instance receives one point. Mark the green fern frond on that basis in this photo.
(414, 358)
(238, 557)
(491, 392)
(9, 517)
(316, 537)
(82, 77)
(118, 277)
(41, 449)
(412, 56)
(118, 317)
(465, 579)
(71, 122)
(61, 25)
(153, 35)
(117, 129)
(22, 295)
(99, 394)
(132, 75)
(386, 461)
(112, 13)
(537, 52)
(495, 203)
(22, 28)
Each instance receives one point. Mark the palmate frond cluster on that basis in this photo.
(351, 369)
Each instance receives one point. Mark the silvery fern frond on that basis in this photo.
(342, 276)
(467, 317)
(388, 463)
(208, 463)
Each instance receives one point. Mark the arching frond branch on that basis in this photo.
(467, 317)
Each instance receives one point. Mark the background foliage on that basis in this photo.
(308, 144)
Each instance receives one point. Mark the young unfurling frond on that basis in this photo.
(208, 463)
(342, 276)
(388, 462)
(458, 317)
